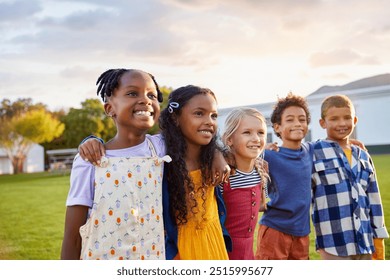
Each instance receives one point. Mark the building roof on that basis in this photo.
(374, 81)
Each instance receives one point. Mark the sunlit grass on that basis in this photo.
(32, 212)
(32, 209)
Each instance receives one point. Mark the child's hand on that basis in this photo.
(220, 170)
(272, 146)
(92, 150)
(358, 143)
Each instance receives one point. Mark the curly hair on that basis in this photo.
(283, 103)
(180, 186)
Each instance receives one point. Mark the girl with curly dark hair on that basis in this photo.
(192, 224)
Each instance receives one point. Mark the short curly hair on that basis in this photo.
(283, 103)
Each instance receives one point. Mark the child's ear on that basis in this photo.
(229, 142)
(322, 123)
(276, 127)
(109, 110)
(355, 120)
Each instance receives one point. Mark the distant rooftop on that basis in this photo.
(374, 81)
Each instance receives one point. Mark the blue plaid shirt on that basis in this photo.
(347, 208)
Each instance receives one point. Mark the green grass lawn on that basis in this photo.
(32, 212)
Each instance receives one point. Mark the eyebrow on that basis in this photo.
(303, 115)
(203, 109)
(137, 87)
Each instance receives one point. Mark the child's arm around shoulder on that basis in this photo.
(358, 143)
(220, 168)
(92, 149)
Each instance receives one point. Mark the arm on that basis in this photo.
(76, 216)
(358, 143)
(92, 149)
(272, 146)
(219, 166)
(376, 215)
(379, 245)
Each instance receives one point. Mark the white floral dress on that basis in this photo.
(126, 217)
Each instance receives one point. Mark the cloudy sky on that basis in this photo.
(246, 51)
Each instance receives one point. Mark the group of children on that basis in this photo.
(131, 205)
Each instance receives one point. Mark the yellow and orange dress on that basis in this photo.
(201, 237)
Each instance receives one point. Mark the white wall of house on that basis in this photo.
(35, 161)
(372, 109)
(5, 166)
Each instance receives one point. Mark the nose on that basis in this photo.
(144, 99)
(210, 121)
(256, 137)
(297, 123)
(342, 122)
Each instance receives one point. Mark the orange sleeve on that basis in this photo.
(379, 245)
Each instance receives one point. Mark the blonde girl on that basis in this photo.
(244, 194)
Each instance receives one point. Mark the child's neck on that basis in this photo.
(192, 157)
(125, 141)
(245, 165)
(344, 143)
(293, 145)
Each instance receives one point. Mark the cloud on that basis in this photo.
(62, 46)
(18, 10)
(77, 72)
(340, 57)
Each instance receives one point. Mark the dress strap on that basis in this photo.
(151, 147)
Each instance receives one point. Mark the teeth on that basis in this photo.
(143, 113)
(205, 132)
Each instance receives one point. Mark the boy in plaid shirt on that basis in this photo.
(347, 208)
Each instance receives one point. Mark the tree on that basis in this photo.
(10, 109)
(18, 132)
(90, 119)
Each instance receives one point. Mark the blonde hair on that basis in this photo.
(338, 101)
(235, 117)
(232, 123)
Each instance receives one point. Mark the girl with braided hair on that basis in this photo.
(114, 210)
(244, 194)
(194, 212)
(112, 85)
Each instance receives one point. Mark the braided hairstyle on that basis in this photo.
(181, 187)
(108, 81)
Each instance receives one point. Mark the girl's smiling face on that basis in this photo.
(248, 140)
(134, 102)
(198, 119)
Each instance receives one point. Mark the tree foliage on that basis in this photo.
(9, 109)
(90, 119)
(21, 125)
